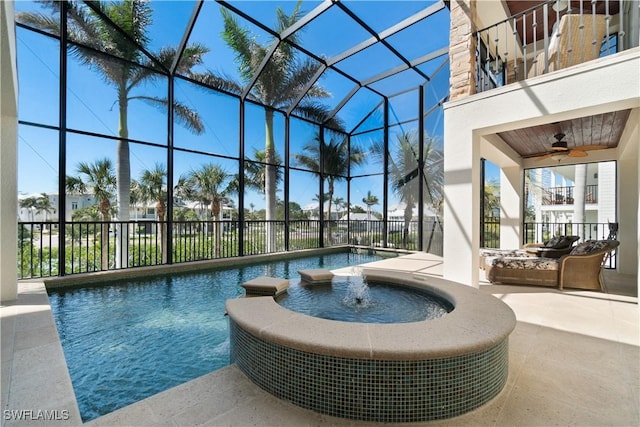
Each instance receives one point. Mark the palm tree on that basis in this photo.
(99, 179)
(211, 183)
(29, 203)
(277, 86)
(331, 160)
(339, 203)
(43, 204)
(491, 197)
(92, 34)
(256, 171)
(370, 200)
(404, 174)
(152, 188)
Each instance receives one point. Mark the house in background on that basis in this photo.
(553, 196)
(73, 203)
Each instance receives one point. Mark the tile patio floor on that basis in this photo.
(574, 360)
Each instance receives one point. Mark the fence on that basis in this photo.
(99, 246)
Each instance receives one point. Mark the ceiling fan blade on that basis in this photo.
(577, 153)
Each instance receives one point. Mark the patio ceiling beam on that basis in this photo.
(364, 119)
(406, 23)
(124, 34)
(295, 45)
(382, 40)
(385, 74)
(186, 36)
(412, 65)
(435, 107)
(308, 86)
(260, 69)
(317, 11)
(344, 100)
(429, 56)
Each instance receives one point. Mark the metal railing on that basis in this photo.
(525, 45)
(100, 246)
(490, 237)
(564, 195)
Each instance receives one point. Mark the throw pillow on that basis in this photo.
(553, 242)
(564, 242)
(589, 246)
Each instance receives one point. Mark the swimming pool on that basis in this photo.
(124, 341)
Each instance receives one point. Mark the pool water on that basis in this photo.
(376, 303)
(125, 341)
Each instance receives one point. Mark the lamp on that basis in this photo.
(560, 5)
(559, 145)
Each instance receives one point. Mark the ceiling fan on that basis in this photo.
(560, 149)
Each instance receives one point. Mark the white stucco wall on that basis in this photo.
(8, 153)
(603, 85)
(628, 200)
(511, 207)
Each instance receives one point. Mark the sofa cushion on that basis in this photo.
(502, 252)
(589, 246)
(528, 263)
(553, 242)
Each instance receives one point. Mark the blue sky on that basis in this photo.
(90, 105)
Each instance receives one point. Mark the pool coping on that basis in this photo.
(478, 321)
(87, 279)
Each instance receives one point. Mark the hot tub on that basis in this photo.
(406, 372)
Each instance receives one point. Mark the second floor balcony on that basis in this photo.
(565, 195)
(551, 36)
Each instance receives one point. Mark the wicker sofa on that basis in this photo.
(553, 248)
(580, 269)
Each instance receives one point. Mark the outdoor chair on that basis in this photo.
(580, 269)
(553, 248)
(573, 43)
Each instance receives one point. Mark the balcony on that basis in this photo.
(552, 36)
(565, 195)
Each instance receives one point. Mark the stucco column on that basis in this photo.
(461, 201)
(628, 261)
(510, 207)
(8, 154)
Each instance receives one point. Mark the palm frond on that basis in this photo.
(239, 39)
(191, 57)
(297, 78)
(319, 112)
(184, 115)
(40, 21)
(220, 82)
(284, 21)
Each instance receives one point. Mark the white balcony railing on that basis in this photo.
(551, 36)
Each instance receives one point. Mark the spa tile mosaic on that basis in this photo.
(372, 390)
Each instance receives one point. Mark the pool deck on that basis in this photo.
(574, 360)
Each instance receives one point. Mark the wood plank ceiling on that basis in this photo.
(602, 129)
